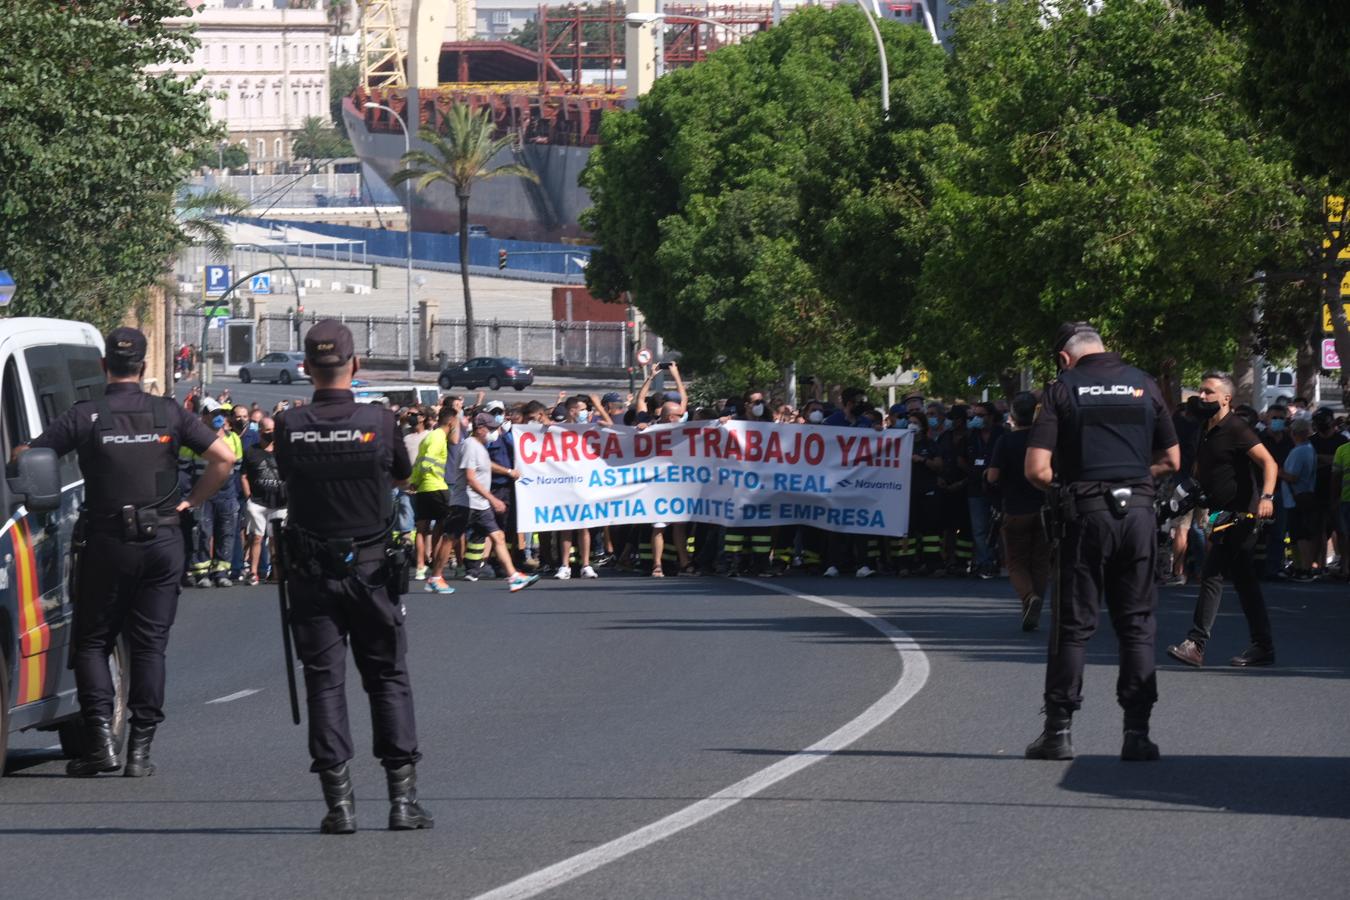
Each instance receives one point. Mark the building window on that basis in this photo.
(242, 58)
(295, 103)
(277, 150)
(307, 53)
(276, 53)
(262, 148)
(501, 17)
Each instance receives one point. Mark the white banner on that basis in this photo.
(737, 474)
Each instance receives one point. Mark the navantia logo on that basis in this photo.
(1112, 390)
(137, 438)
(340, 436)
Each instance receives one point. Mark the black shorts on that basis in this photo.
(1304, 517)
(482, 522)
(432, 506)
(456, 522)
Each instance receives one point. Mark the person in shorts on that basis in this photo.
(475, 481)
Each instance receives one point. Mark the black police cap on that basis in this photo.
(1066, 332)
(126, 345)
(329, 344)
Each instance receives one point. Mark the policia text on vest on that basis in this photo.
(1105, 427)
(130, 543)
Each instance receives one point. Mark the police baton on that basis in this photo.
(282, 571)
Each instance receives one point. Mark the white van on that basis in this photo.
(1279, 383)
(45, 366)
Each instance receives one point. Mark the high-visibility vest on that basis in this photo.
(429, 468)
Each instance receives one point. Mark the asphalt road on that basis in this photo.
(561, 719)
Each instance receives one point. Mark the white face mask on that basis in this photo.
(815, 417)
(757, 409)
(684, 416)
(494, 434)
(583, 416)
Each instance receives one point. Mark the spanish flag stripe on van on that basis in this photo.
(34, 633)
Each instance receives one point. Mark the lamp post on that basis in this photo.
(638, 19)
(407, 148)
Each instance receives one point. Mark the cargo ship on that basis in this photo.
(550, 99)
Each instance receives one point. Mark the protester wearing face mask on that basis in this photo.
(501, 448)
(852, 405)
(577, 414)
(749, 550)
(265, 494)
(978, 449)
(936, 419)
(958, 545)
(1025, 544)
(1278, 443)
(920, 552)
(814, 412)
(217, 521)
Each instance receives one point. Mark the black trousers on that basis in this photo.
(1232, 555)
(131, 588)
(1105, 558)
(326, 614)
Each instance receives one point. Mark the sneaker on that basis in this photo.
(1188, 652)
(831, 572)
(1255, 655)
(468, 576)
(563, 574)
(437, 585)
(988, 572)
(223, 581)
(253, 581)
(1031, 613)
(1303, 576)
(588, 572)
(1175, 581)
(864, 572)
(204, 581)
(1138, 748)
(421, 573)
(520, 581)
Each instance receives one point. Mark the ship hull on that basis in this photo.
(509, 207)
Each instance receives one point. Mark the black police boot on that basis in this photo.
(337, 793)
(99, 753)
(1055, 741)
(405, 813)
(1137, 746)
(138, 751)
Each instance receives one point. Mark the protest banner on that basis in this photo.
(737, 474)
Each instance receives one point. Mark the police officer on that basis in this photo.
(1103, 434)
(128, 572)
(340, 461)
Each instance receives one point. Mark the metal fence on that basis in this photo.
(303, 191)
(573, 344)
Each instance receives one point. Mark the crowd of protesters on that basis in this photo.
(972, 513)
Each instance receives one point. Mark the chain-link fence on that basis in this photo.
(572, 344)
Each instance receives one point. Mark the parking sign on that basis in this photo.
(217, 280)
(260, 284)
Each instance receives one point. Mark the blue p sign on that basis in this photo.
(217, 279)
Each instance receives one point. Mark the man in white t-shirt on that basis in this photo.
(475, 483)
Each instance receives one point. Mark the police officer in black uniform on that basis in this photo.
(340, 461)
(127, 576)
(1107, 427)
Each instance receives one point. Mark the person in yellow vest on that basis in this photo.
(218, 518)
(433, 496)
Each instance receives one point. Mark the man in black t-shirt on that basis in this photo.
(1224, 465)
(1325, 440)
(264, 494)
(1026, 548)
(1279, 443)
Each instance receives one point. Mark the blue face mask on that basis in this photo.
(252, 426)
(218, 422)
(1277, 425)
(977, 422)
(932, 421)
(499, 419)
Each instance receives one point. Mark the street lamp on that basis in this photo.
(638, 19)
(407, 148)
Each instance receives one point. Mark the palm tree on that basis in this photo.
(461, 157)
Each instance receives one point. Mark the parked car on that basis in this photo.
(397, 395)
(495, 372)
(479, 231)
(45, 366)
(285, 367)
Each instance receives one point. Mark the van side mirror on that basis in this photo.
(38, 482)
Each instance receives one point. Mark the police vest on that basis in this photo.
(1110, 437)
(337, 480)
(132, 460)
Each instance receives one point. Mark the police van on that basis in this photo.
(45, 366)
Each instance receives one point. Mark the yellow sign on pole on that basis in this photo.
(1326, 311)
(1335, 207)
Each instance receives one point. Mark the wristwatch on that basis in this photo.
(1267, 496)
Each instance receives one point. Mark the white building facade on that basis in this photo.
(266, 71)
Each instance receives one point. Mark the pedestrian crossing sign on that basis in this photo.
(260, 284)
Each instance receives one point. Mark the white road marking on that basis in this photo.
(913, 676)
(237, 695)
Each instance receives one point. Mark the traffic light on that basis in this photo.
(501, 259)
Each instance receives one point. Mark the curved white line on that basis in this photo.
(914, 673)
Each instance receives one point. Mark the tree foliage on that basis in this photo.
(316, 140)
(342, 82)
(92, 150)
(713, 197)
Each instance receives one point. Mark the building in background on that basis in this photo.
(266, 67)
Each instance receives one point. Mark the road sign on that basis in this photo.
(1330, 360)
(6, 288)
(260, 284)
(1326, 317)
(217, 280)
(644, 356)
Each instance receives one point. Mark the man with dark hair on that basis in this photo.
(127, 581)
(433, 496)
(1326, 439)
(984, 430)
(1278, 442)
(340, 460)
(1100, 438)
(1224, 467)
(218, 519)
(1025, 546)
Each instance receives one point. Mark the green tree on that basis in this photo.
(714, 198)
(342, 81)
(92, 151)
(461, 158)
(1100, 166)
(316, 140)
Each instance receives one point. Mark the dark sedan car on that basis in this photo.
(493, 371)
